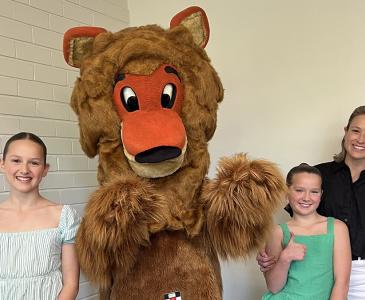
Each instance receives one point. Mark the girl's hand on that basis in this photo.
(293, 251)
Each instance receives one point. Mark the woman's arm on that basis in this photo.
(341, 261)
(70, 273)
(277, 276)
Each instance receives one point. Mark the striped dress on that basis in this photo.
(30, 262)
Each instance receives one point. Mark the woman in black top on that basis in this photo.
(344, 198)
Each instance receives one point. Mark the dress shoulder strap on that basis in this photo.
(286, 233)
(330, 225)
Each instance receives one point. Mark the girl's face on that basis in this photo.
(24, 166)
(355, 139)
(305, 193)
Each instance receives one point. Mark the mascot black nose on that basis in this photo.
(158, 154)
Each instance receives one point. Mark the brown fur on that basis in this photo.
(140, 237)
(120, 216)
(240, 203)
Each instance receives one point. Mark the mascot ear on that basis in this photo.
(196, 21)
(78, 43)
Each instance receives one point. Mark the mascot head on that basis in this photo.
(146, 97)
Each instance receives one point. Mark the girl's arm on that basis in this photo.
(341, 261)
(70, 273)
(277, 276)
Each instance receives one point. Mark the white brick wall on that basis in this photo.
(35, 89)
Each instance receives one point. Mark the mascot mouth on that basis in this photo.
(158, 154)
(157, 162)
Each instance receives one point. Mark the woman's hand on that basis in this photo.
(265, 261)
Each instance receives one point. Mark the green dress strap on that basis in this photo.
(330, 225)
(286, 233)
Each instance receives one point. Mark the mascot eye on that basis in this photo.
(129, 99)
(168, 96)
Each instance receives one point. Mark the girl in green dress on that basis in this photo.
(314, 254)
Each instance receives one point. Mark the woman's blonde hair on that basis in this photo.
(357, 112)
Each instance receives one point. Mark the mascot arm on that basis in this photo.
(118, 220)
(239, 204)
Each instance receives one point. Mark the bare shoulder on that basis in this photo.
(3, 209)
(51, 204)
(4, 204)
(341, 231)
(275, 233)
(340, 226)
(52, 209)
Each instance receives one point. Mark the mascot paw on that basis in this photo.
(118, 220)
(240, 203)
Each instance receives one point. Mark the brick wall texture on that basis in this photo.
(36, 85)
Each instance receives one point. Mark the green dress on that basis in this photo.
(311, 278)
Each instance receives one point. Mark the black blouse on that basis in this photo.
(345, 200)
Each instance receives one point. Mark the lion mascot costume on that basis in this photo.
(147, 101)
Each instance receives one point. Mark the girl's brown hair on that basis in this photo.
(302, 168)
(26, 136)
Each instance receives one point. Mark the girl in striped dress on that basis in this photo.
(37, 254)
